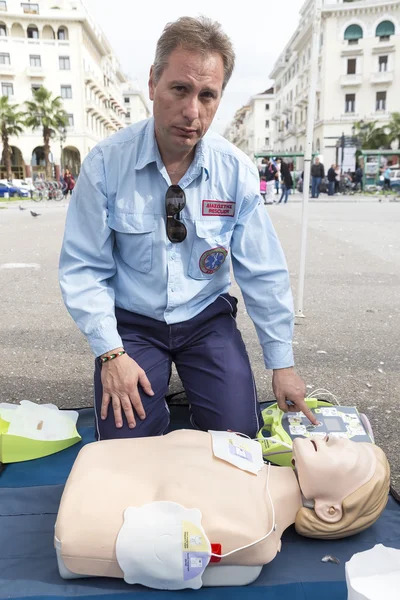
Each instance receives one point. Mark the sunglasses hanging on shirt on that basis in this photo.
(175, 202)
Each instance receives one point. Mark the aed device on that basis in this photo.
(280, 429)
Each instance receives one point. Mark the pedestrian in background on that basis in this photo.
(263, 187)
(386, 179)
(287, 182)
(269, 174)
(69, 182)
(331, 180)
(317, 174)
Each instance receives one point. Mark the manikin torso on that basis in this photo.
(180, 467)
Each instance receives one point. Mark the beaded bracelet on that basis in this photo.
(111, 356)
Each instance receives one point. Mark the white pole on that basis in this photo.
(308, 153)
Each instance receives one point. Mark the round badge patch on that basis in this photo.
(212, 260)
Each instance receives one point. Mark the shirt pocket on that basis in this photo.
(210, 249)
(134, 234)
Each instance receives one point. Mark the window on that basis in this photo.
(350, 103)
(35, 60)
(353, 33)
(7, 89)
(351, 66)
(30, 8)
(267, 107)
(64, 63)
(33, 32)
(62, 34)
(4, 58)
(383, 63)
(266, 123)
(266, 142)
(35, 87)
(3, 5)
(384, 30)
(126, 100)
(380, 101)
(70, 120)
(3, 30)
(66, 91)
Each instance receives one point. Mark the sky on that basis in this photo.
(258, 29)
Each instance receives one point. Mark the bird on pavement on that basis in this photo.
(34, 214)
(21, 208)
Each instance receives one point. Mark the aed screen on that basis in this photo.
(333, 423)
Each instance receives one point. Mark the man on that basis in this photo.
(331, 180)
(157, 214)
(317, 174)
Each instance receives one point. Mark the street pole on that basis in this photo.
(308, 153)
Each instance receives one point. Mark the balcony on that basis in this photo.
(350, 80)
(35, 72)
(292, 130)
(301, 130)
(381, 77)
(7, 70)
(275, 115)
(288, 107)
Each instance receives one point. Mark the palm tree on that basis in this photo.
(11, 123)
(394, 127)
(370, 136)
(47, 112)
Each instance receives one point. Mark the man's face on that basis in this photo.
(186, 98)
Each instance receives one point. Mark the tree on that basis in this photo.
(47, 112)
(12, 122)
(370, 136)
(394, 128)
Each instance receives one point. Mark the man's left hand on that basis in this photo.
(287, 385)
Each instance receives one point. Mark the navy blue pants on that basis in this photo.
(211, 360)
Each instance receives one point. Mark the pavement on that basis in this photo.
(348, 342)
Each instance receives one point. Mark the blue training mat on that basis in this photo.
(30, 493)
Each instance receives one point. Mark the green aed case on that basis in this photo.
(14, 448)
(280, 429)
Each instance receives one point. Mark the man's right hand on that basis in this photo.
(120, 378)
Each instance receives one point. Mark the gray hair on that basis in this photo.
(201, 35)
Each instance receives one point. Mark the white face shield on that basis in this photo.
(163, 545)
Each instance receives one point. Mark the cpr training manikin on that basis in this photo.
(196, 508)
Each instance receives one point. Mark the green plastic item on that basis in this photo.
(276, 443)
(14, 448)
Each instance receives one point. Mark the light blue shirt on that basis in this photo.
(116, 253)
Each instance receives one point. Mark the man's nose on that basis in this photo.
(191, 108)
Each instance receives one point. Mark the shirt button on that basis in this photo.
(172, 289)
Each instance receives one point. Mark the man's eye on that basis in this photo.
(179, 88)
(208, 95)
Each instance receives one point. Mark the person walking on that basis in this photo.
(69, 182)
(331, 180)
(317, 174)
(287, 182)
(387, 184)
(270, 173)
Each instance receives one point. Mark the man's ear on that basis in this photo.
(331, 512)
(151, 83)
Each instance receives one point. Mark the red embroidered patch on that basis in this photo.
(218, 208)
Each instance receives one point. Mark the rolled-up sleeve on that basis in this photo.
(261, 272)
(86, 259)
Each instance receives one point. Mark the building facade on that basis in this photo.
(358, 74)
(251, 128)
(56, 44)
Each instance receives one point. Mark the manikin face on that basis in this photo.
(331, 469)
(186, 98)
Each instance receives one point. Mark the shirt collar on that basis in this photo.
(150, 153)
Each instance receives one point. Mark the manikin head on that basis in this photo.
(348, 482)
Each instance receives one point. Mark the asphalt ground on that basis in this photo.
(348, 342)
